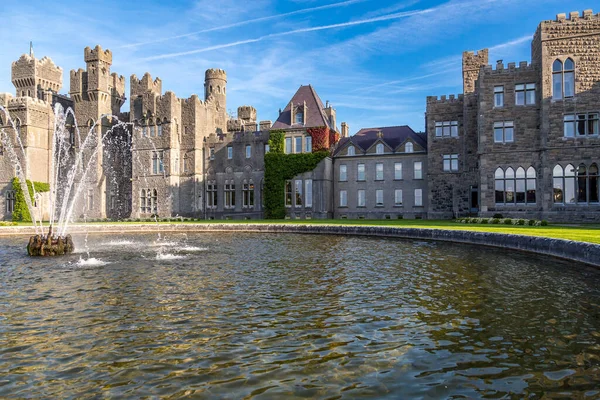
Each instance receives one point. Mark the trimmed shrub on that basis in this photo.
(495, 220)
(521, 222)
(544, 223)
(498, 216)
(507, 221)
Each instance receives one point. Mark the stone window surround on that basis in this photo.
(450, 158)
(562, 59)
(521, 176)
(446, 124)
(572, 179)
(574, 118)
(499, 96)
(526, 89)
(503, 125)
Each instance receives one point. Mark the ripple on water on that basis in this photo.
(91, 262)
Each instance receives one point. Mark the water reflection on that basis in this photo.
(272, 316)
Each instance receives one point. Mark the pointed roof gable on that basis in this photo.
(314, 115)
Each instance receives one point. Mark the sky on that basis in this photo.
(375, 61)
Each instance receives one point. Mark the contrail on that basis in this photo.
(303, 30)
(250, 21)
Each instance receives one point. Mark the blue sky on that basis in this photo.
(374, 60)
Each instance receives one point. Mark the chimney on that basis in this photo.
(345, 129)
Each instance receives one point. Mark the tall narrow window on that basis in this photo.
(10, 201)
(343, 198)
(569, 184)
(350, 151)
(299, 117)
(398, 197)
(152, 128)
(509, 185)
(582, 178)
(247, 194)
(563, 79)
(360, 172)
(379, 171)
(288, 145)
(379, 198)
(418, 197)
(250, 193)
(498, 96)
(418, 170)
(267, 148)
(520, 184)
(361, 198)
(558, 184)
(157, 162)
(308, 193)
(398, 170)
(587, 184)
(298, 190)
(229, 152)
(159, 127)
(298, 144)
(308, 144)
(379, 148)
(288, 193)
(343, 172)
(211, 192)
(499, 185)
(531, 186)
(564, 184)
(248, 151)
(155, 201)
(593, 183)
(211, 153)
(408, 147)
(229, 194)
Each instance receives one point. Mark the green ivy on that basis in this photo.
(280, 167)
(21, 212)
(276, 141)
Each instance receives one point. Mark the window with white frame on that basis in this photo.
(379, 148)
(288, 145)
(418, 197)
(299, 117)
(343, 172)
(498, 96)
(398, 171)
(576, 186)
(361, 201)
(308, 144)
(515, 188)
(298, 144)
(583, 124)
(350, 151)
(563, 79)
(343, 198)
(398, 197)
(157, 162)
(504, 132)
(525, 94)
(446, 129)
(229, 152)
(308, 193)
(360, 172)
(450, 162)
(248, 194)
(408, 147)
(298, 190)
(379, 171)
(379, 198)
(248, 151)
(418, 170)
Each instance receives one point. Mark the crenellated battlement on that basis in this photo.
(97, 54)
(214, 73)
(246, 113)
(28, 103)
(144, 85)
(472, 60)
(29, 74)
(445, 100)
(574, 16)
(512, 67)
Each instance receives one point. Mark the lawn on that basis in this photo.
(580, 232)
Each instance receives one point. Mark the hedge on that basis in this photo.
(21, 212)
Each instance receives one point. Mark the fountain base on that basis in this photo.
(46, 245)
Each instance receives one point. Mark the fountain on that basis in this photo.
(68, 170)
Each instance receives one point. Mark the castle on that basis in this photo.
(522, 140)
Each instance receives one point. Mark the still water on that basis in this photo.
(295, 316)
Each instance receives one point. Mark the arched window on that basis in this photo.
(28, 93)
(143, 201)
(582, 179)
(219, 89)
(408, 147)
(499, 185)
(509, 185)
(351, 151)
(563, 79)
(159, 127)
(531, 186)
(155, 201)
(379, 148)
(211, 89)
(185, 161)
(152, 127)
(299, 117)
(564, 184)
(520, 186)
(587, 184)
(593, 183)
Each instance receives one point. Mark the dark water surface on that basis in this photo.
(296, 316)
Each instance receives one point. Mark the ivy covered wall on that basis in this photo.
(21, 212)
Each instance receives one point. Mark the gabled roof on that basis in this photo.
(314, 116)
(393, 136)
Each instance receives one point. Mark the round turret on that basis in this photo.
(215, 82)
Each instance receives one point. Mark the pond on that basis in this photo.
(247, 315)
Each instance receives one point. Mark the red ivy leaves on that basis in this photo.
(320, 138)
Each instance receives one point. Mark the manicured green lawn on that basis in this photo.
(580, 232)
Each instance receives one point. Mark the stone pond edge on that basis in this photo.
(588, 253)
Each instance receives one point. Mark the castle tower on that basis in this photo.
(215, 82)
(36, 78)
(471, 63)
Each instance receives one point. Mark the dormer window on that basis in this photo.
(299, 117)
(350, 151)
(408, 147)
(563, 79)
(379, 148)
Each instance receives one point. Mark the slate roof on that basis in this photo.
(393, 136)
(314, 116)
